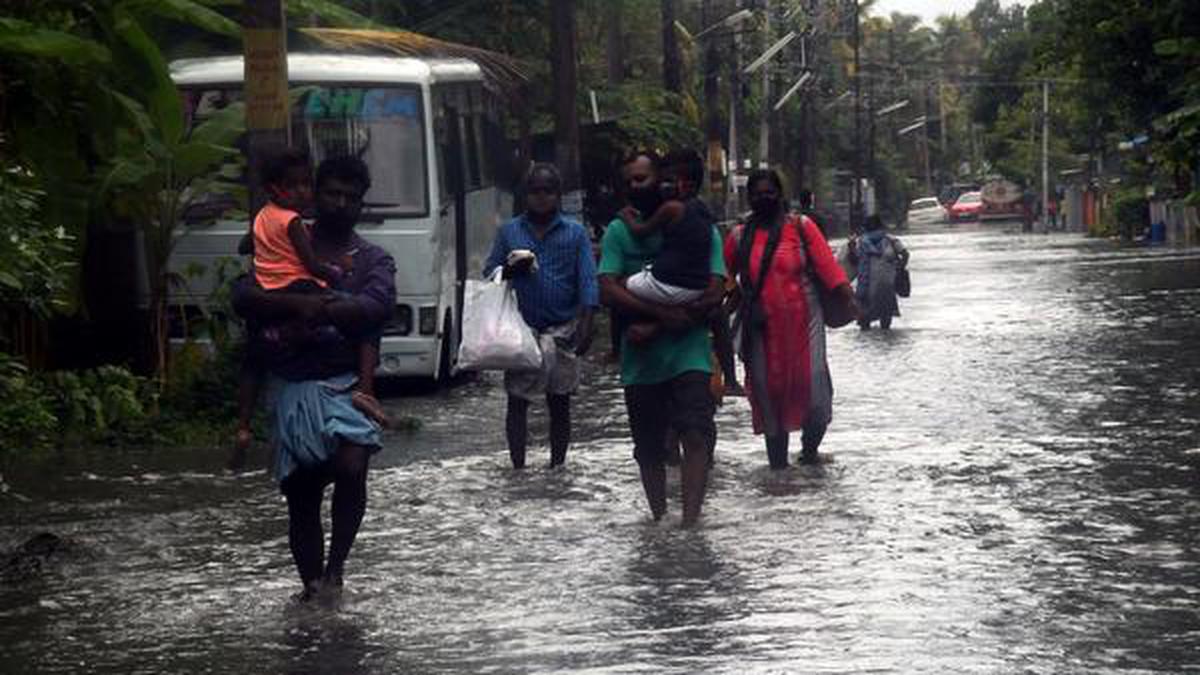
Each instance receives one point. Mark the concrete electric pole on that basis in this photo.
(268, 119)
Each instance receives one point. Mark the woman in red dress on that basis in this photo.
(777, 258)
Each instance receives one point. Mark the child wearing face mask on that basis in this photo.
(679, 273)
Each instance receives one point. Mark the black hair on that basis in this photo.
(277, 164)
(805, 197)
(345, 168)
(691, 162)
(638, 154)
(874, 222)
(543, 170)
(769, 175)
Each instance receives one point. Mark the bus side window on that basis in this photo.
(498, 151)
(470, 152)
(448, 156)
(469, 99)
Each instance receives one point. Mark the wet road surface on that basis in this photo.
(1012, 487)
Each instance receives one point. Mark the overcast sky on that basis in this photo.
(928, 9)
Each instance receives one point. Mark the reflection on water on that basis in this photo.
(1011, 486)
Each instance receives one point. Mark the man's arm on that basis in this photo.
(583, 331)
(250, 301)
(614, 294)
(365, 312)
(368, 361)
(588, 289)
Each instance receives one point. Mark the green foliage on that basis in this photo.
(36, 256)
(1128, 214)
(1141, 61)
(26, 420)
(123, 156)
(103, 405)
(98, 402)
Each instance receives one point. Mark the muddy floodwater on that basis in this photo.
(1012, 487)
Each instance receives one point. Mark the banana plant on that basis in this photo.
(95, 117)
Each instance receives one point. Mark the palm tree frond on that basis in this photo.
(501, 70)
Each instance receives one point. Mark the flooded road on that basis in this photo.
(1013, 487)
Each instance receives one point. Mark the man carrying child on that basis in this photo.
(319, 349)
(666, 353)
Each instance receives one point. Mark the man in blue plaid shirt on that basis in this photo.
(549, 260)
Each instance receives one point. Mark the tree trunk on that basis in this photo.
(566, 114)
(615, 43)
(712, 106)
(672, 78)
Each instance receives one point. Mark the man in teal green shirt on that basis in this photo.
(666, 352)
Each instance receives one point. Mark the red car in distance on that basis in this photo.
(966, 207)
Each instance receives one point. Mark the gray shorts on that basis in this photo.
(646, 287)
(559, 374)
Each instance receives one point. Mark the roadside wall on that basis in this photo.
(1173, 222)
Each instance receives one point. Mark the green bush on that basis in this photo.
(1129, 213)
(26, 417)
(93, 404)
(36, 256)
(106, 405)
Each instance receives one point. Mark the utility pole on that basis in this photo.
(712, 105)
(925, 143)
(856, 189)
(941, 88)
(672, 79)
(871, 127)
(777, 132)
(268, 120)
(735, 118)
(566, 115)
(615, 47)
(764, 119)
(1045, 148)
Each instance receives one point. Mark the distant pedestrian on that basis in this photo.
(1028, 211)
(778, 260)
(666, 354)
(549, 259)
(808, 209)
(877, 257)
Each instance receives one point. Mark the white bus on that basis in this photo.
(431, 134)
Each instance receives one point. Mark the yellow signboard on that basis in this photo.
(266, 79)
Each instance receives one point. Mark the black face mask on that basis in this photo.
(764, 207)
(647, 200)
(337, 221)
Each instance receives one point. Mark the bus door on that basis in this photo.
(456, 195)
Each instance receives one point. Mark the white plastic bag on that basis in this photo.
(494, 335)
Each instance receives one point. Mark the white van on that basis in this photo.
(431, 134)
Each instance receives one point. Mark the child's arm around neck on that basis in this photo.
(669, 213)
(301, 240)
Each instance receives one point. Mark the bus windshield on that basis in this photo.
(384, 126)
